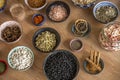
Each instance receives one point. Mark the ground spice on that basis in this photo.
(38, 19)
(2, 67)
(36, 3)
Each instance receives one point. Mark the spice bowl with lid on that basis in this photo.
(76, 44)
(81, 28)
(105, 12)
(20, 58)
(38, 19)
(84, 3)
(46, 39)
(58, 11)
(3, 4)
(3, 67)
(36, 4)
(10, 32)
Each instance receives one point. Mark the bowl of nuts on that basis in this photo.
(20, 58)
(10, 31)
(46, 39)
(84, 3)
(105, 12)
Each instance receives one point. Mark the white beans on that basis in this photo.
(21, 58)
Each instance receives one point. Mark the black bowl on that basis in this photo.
(85, 64)
(58, 3)
(68, 55)
(58, 38)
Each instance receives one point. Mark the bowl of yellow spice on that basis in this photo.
(2, 5)
(46, 40)
(36, 4)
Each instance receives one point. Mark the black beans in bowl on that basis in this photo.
(61, 65)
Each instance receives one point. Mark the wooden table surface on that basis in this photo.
(111, 59)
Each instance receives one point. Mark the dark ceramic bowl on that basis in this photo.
(85, 64)
(69, 54)
(6, 66)
(58, 38)
(58, 3)
(105, 3)
(85, 34)
(42, 22)
(3, 7)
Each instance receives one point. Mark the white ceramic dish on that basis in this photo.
(11, 52)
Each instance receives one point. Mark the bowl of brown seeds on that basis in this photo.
(46, 39)
(10, 31)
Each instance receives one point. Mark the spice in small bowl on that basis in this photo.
(58, 11)
(2, 5)
(84, 3)
(76, 44)
(81, 28)
(93, 64)
(38, 19)
(10, 31)
(36, 4)
(105, 12)
(3, 67)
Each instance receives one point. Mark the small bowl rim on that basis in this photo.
(55, 52)
(54, 3)
(84, 66)
(109, 3)
(76, 39)
(42, 22)
(39, 8)
(20, 27)
(15, 49)
(39, 31)
(6, 66)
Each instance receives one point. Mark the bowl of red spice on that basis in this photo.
(38, 19)
(3, 67)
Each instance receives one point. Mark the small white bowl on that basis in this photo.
(39, 8)
(6, 24)
(14, 49)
